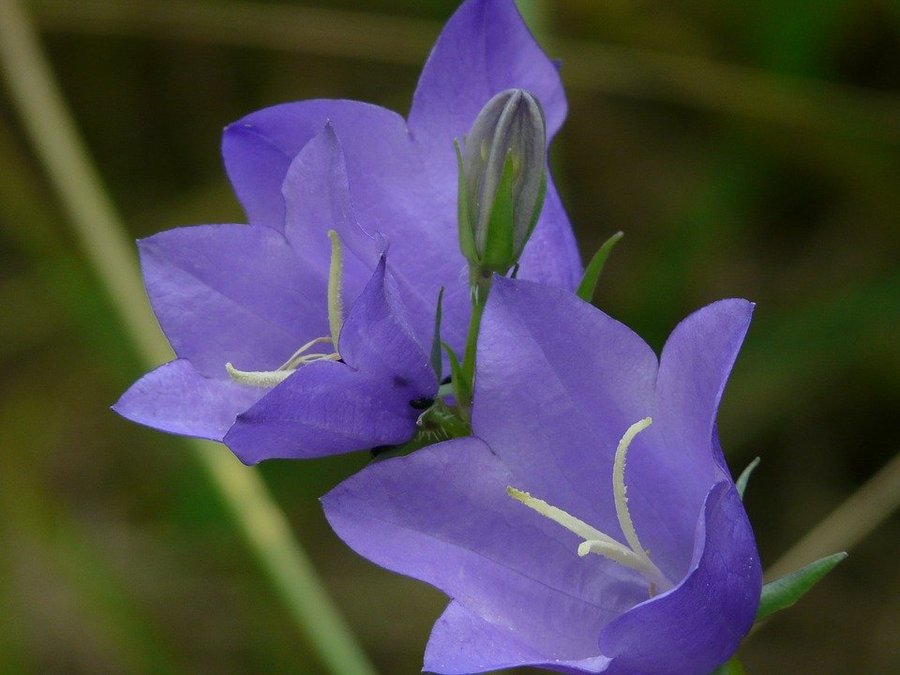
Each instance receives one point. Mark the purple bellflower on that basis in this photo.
(327, 186)
(556, 551)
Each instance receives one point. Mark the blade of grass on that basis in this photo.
(53, 133)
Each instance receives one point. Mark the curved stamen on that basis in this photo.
(335, 281)
(271, 378)
(620, 491)
(633, 556)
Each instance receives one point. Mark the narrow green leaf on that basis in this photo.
(466, 234)
(436, 360)
(741, 482)
(784, 592)
(733, 667)
(462, 389)
(592, 273)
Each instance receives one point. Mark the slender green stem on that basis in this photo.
(57, 143)
(481, 287)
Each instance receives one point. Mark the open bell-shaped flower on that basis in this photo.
(502, 182)
(268, 360)
(590, 524)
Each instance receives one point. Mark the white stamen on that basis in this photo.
(557, 515)
(595, 541)
(272, 378)
(297, 358)
(335, 280)
(258, 378)
(620, 490)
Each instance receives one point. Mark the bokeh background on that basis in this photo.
(746, 148)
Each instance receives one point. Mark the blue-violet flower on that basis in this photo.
(590, 524)
(263, 361)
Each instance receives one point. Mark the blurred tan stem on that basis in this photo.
(848, 524)
(58, 145)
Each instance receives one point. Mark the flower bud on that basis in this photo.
(502, 180)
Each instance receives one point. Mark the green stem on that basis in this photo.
(57, 143)
(481, 287)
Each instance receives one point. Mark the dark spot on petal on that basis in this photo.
(400, 381)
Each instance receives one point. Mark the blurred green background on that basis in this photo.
(746, 149)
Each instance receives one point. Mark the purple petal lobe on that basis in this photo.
(551, 255)
(558, 384)
(462, 642)
(672, 468)
(699, 624)
(328, 408)
(259, 148)
(231, 293)
(178, 399)
(693, 370)
(484, 48)
(317, 199)
(442, 515)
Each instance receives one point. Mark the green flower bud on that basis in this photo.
(502, 180)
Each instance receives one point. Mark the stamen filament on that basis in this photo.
(633, 556)
(272, 378)
(560, 517)
(297, 358)
(335, 279)
(620, 490)
(261, 378)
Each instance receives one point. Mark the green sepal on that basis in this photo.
(437, 363)
(538, 207)
(498, 242)
(741, 482)
(462, 389)
(466, 232)
(592, 273)
(437, 424)
(784, 592)
(733, 667)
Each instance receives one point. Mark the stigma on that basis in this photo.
(302, 357)
(630, 554)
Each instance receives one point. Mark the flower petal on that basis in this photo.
(699, 624)
(442, 515)
(259, 148)
(558, 384)
(317, 199)
(328, 408)
(232, 293)
(377, 338)
(551, 255)
(484, 48)
(672, 468)
(178, 399)
(462, 642)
